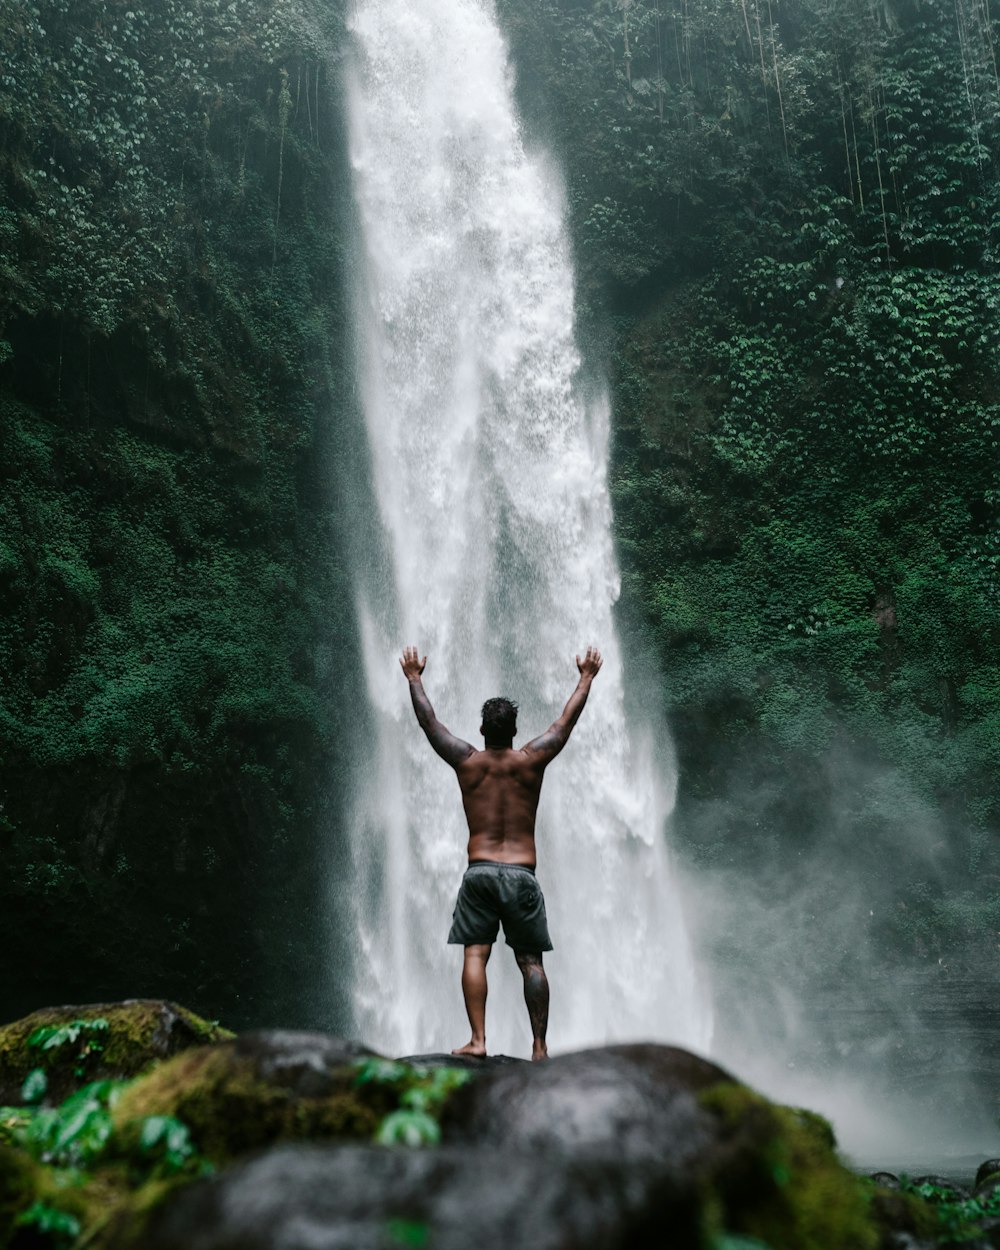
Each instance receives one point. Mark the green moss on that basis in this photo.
(230, 1109)
(138, 1034)
(898, 1212)
(19, 1184)
(779, 1179)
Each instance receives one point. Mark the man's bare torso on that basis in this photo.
(500, 789)
(500, 786)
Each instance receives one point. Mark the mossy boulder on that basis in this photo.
(747, 1167)
(74, 1045)
(260, 1089)
(773, 1175)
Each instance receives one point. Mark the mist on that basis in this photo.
(828, 988)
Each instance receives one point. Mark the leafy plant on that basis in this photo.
(52, 1037)
(421, 1094)
(168, 1140)
(960, 1219)
(77, 1131)
(36, 1083)
(58, 1227)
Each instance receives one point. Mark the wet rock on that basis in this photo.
(364, 1198)
(259, 1089)
(622, 1148)
(941, 1189)
(885, 1180)
(116, 1040)
(307, 1064)
(905, 1241)
(987, 1170)
(630, 1102)
(461, 1061)
(905, 1221)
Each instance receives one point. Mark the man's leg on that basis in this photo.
(474, 989)
(536, 996)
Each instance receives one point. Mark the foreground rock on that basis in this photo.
(259, 1089)
(618, 1148)
(363, 1198)
(97, 1041)
(624, 1147)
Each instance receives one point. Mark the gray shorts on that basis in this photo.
(492, 894)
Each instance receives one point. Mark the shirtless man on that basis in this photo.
(500, 789)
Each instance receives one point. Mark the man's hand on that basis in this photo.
(591, 663)
(412, 665)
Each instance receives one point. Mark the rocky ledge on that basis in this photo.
(302, 1141)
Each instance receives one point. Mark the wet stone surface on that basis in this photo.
(364, 1198)
(631, 1103)
(307, 1064)
(443, 1060)
(600, 1150)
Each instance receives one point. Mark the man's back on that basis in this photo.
(500, 789)
(500, 786)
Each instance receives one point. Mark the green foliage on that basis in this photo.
(52, 1036)
(171, 589)
(421, 1094)
(168, 1140)
(58, 1227)
(408, 1127)
(415, 1233)
(35, 1085)
(77, 1131)
(80, 1133)
(958, 1219)
(88, 1160)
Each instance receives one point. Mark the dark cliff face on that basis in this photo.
(172, 377)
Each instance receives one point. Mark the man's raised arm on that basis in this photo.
(548, 745)
(450, 748)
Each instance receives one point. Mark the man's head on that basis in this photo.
(499, 722)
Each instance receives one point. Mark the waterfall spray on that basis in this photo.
(489, 466)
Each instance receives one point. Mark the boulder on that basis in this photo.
(97, 1041)
(366, 1198)
(259, 1089)
(623, 1147)
(632, 1102)
(988, 1171)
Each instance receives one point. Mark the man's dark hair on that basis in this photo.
(499, 720)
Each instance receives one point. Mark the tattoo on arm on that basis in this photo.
(450, 748)
(548, 745)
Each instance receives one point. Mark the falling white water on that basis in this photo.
(494, 556)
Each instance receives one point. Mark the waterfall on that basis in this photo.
(492, 552)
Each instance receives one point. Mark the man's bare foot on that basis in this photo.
(475, 1050)
(538, 1053)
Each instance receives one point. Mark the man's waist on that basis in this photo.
(498, 863)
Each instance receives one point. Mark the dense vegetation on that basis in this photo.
(786, 218)
(171, 339)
